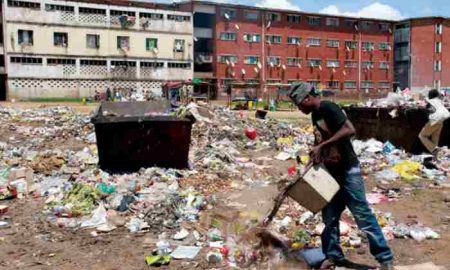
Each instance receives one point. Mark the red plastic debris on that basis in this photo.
(251, 133)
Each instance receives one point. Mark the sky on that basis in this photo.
(382, 9)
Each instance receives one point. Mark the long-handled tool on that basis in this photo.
(278, 201)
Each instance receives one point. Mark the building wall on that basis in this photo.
(416, 64)
(445, 55)
(77, 79)
(423, 54)
(381, 78)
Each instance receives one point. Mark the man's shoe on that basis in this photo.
(387, 266)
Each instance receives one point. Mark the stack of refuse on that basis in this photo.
(389, 163)
(173, 203)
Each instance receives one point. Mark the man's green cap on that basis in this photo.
(298, 91)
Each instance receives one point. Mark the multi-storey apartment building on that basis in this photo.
(72, 48)
(421, 60)
(265, 48)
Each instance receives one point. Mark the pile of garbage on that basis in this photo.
(389, 163)
(227, 150)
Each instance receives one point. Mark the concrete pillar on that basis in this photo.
(138, 69)
(77, 67)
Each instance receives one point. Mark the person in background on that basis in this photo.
(108, 94)
(333, 149)
(431, 132)
(228, 90)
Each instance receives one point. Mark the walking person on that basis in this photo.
(333, 148)
(431, 132)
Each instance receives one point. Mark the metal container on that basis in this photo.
(315, 189)
(402, 130)
(134, 135)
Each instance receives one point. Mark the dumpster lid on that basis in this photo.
(131, 111)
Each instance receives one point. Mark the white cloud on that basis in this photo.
(278, 4)
(375, 10)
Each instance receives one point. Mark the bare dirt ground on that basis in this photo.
(31, 243)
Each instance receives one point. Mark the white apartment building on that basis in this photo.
(72, 48)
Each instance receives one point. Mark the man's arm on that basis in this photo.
(347, 130)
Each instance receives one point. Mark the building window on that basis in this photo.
(437, 65)
(60, 61)
(366, 25)
(293, 61)
(92, 41)
(251, 60)
(294, 40)
(384, 46)
(333, 43)
(333, 63)
(294, 18)
(251, 15)
(123, 42)
(179, 65)
(273, 81)
(384, 65)
(313, 42)
(315, 63)
(252, 81)
(151, 44)
(384, 85)
(25, 60)
(227, 59)
(179, 18)
(85, 10)
(438, 47)
(50, 7)
(439, 29)
(273, 39)
(89, 62)
(367, 64)
(273, 17)
(313, 20)
(333, 84)
(273, 60)
(123, 64)
(350, 85)
(366, 84)
(252, 37)
(437, 84)
(351, 45)
(367, 46)
(152, 64)
(314, 83)
(228, 13)
(151, 16)
(122, 13)
(384, 27)
(227, 36)
(332, 22)
(351, 23)
(24, 4)
(350, 64)
(60, 39)
(25, 37)
(179, 45)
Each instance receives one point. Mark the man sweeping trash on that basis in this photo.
(333, 148)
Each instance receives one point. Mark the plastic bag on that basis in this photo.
(407, 169)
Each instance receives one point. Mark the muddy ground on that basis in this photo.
(31, 243)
